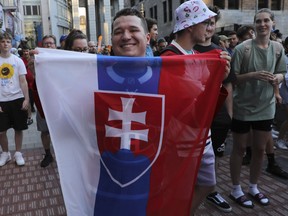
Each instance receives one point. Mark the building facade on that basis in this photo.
(94, 17)
(11, 19)
(46, 17)
(234, 13)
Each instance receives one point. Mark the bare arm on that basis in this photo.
(24, 88)
(229, 99)
(260, 75)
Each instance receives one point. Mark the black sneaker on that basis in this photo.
(276, 170)
(47, 160)
(217, 200)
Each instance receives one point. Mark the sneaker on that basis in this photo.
(275, 134)
(217, 200)
(276, 170)
(281, 144)
(5, 158)
(19, 158)
(47, 160)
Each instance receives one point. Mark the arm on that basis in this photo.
(229, 99)
(277, 94)
(258, 75)
(24, 88)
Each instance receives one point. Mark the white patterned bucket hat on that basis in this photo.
(191, 13)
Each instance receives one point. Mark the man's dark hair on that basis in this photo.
(232, 33)
(49, 36)
(150, 22)
(25, 47)
(243, 30)
(131, 12)
(216, 10)
(72, 36)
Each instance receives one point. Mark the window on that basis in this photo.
(170, 10)
(132, 3)
(262, 4)
(151, 12)
(165, 11)
(275, 5)
(219, 3)
(155, 12)
(32, 10)
(233, 4)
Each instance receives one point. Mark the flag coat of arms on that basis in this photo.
(128, 133)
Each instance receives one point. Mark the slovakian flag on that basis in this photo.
(128, 133)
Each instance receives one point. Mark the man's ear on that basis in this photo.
(148, 38)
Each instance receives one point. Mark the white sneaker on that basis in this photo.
(19, 159)
(281, 144)
(5, 158)
(275, 134)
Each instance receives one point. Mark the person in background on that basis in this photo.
(92, 47)
(76, 41)
(153, 31)
(245, 32)
(30, 79)
(224, 42)
(162, 43)
(62, 41)
(48, 41)
(14, 100)
(233, 41)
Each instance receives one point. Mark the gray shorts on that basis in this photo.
(41, 123)
(206, 174)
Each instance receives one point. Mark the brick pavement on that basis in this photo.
(34, 191)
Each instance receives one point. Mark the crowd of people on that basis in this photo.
(256, 66)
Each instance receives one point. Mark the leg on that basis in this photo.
(18, 139)
(236, 157)
(5, 155)
(258, 147)
(206, 179)
(273, 167)
(4, 141)
(200, 192)
(45, 138)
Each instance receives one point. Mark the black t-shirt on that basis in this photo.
(222, 117)
(231, 77)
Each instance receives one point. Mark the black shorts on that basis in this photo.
(245, 126)
(13, 116)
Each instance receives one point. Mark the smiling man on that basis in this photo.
(129, 34)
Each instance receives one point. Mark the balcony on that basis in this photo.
(9, 5)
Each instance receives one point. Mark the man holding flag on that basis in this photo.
(139, 142)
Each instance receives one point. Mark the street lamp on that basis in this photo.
(256, 6)
(36, 33)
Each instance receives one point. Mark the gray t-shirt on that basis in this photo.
(254, 100)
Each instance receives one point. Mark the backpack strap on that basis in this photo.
(247, 50)
(172, 48)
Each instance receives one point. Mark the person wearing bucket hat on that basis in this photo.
(192, 18)
(222, 120)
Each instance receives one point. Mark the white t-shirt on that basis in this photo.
(11, 69)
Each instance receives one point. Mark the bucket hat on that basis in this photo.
(191, 13)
